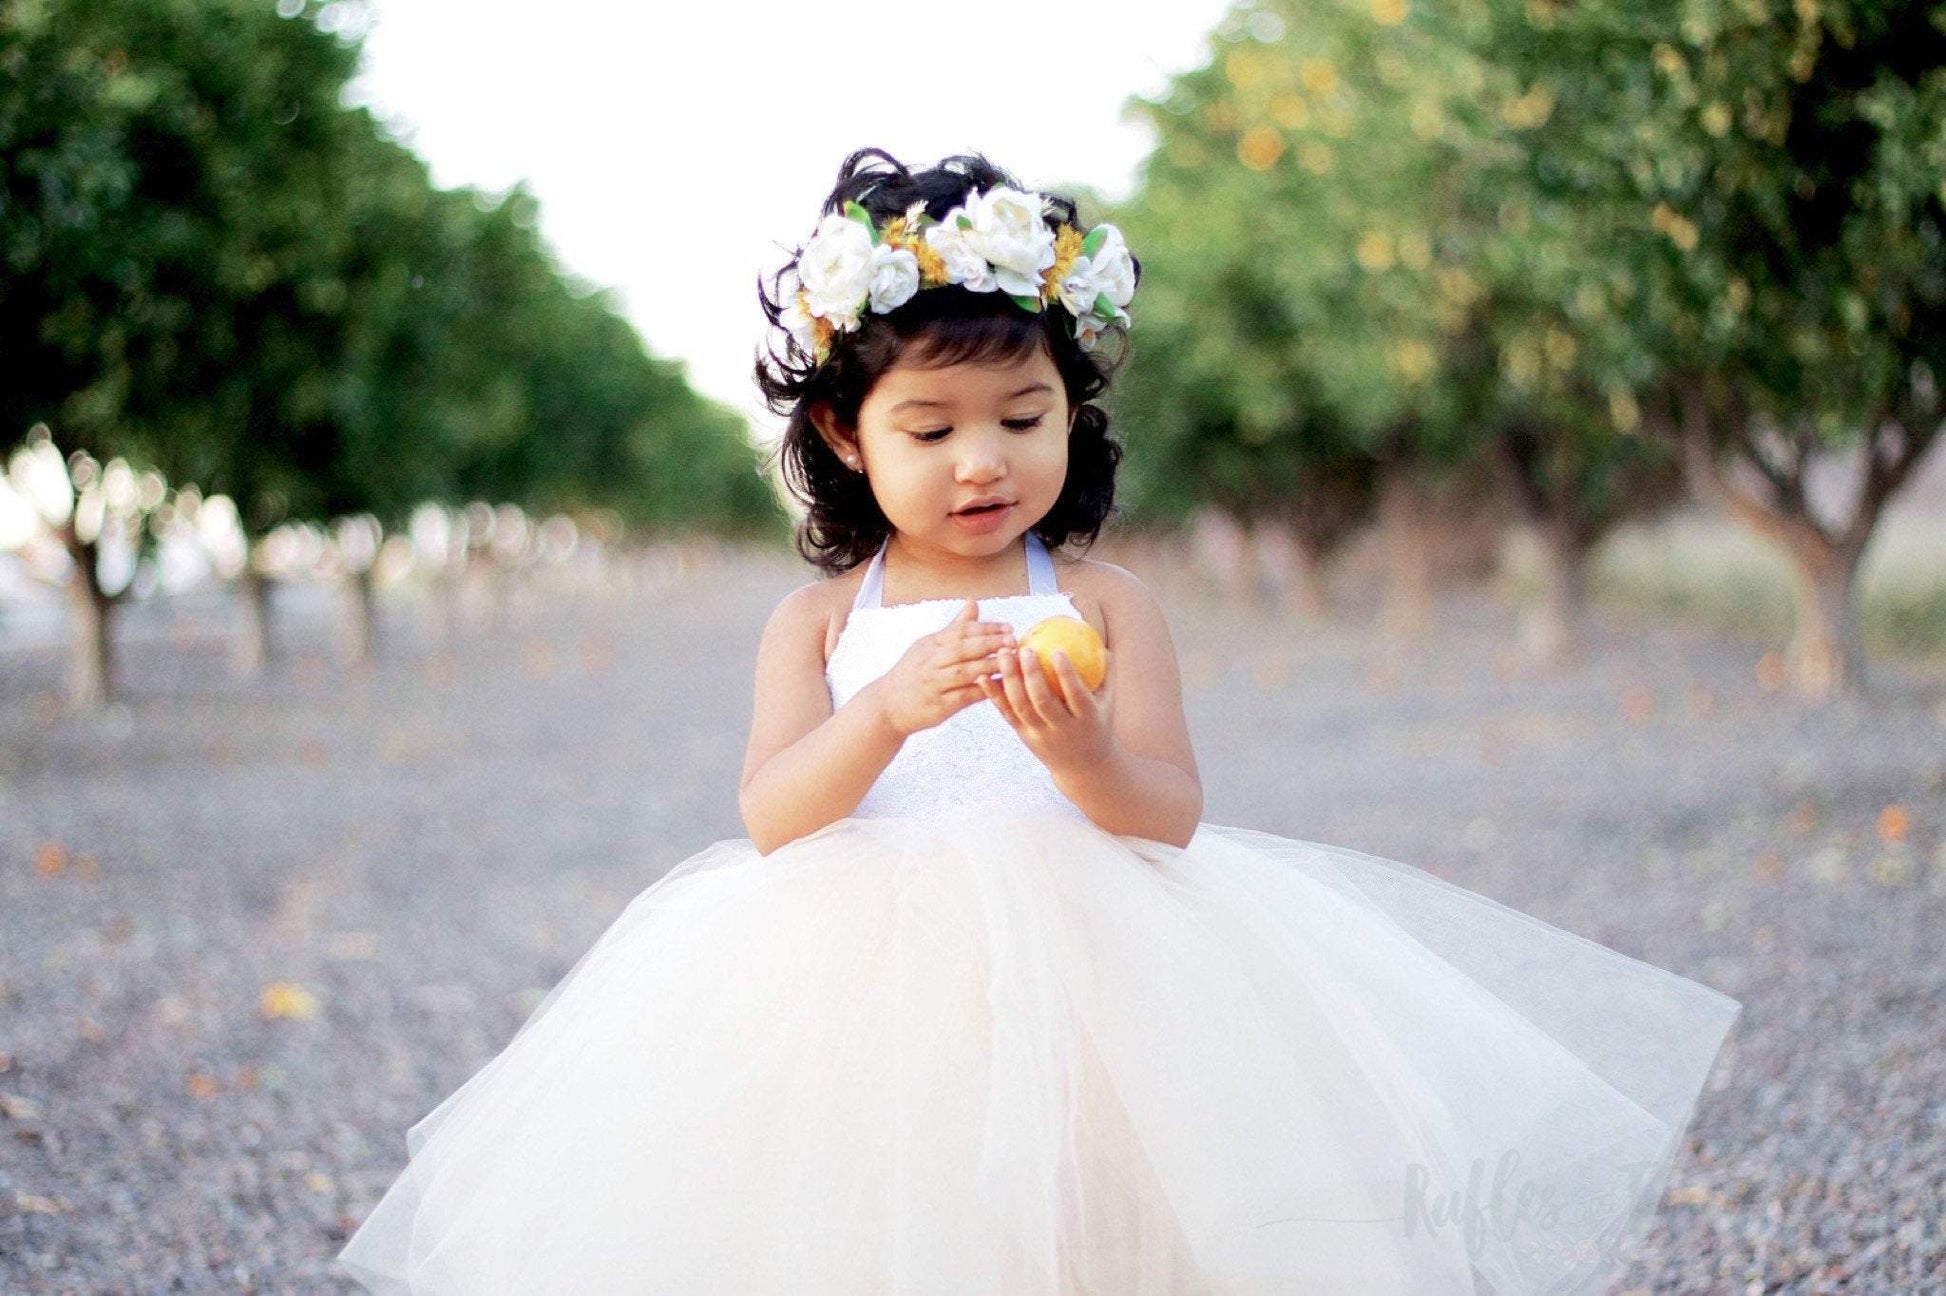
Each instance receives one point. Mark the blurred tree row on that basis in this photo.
(1615, 254)
(216, 270)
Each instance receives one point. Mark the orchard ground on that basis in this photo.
(251, 931)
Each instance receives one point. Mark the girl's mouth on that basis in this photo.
(984, 518)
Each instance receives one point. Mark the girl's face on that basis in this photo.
(932, 441)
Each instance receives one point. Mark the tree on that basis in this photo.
(170, 296)
(219, 272)
(1766, 190)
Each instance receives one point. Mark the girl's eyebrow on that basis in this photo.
(1028, 390)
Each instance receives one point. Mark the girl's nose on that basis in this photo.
(980, 459)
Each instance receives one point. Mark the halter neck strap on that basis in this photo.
(1040, 574)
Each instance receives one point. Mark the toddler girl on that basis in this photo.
(980, 1005)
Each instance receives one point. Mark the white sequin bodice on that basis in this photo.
(973, 757)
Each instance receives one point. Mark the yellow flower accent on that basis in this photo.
(1067, 247)
(932, 267)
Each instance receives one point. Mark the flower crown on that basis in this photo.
(996, 241)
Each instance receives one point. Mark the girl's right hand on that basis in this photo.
(941, 672)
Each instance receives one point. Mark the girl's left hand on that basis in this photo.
(1061, 722)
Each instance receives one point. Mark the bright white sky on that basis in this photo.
(673, 146)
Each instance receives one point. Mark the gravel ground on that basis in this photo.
(250, 932)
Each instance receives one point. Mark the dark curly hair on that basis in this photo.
(949, 325)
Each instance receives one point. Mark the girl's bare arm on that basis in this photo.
(806, 766)
(1149, 787)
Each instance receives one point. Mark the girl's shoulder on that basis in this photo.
(833, 597)
(1084, 581)
(1107, 596)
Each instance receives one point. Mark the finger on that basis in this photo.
(983, 666)
(1040, 696)
(983, 638)
(997, 695)
(967, 618)
(1073, 692)
(1013, 683)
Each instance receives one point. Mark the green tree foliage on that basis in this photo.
(1763, 183)
(217, 269)
(1547, 232)
(1302, 294)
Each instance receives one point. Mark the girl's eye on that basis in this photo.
(1018, 425)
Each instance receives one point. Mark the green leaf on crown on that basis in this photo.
(1092, 243)
(1027, 303)
(863, 217)
(1104, 308)
(964, 222)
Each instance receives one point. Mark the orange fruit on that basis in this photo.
(1074, 637)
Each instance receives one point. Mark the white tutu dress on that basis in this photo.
(965, 1041)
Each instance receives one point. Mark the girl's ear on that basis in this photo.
(843, 442)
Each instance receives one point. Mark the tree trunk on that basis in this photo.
(1554, 630)
(1296, 566)
(361, 617)
(253, 647)
(1826, 654)
(90, 674)
(440, 616)
(1309, 597)
(1223, 545)
(1405, 526)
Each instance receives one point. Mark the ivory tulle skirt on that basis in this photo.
(1011, 1053)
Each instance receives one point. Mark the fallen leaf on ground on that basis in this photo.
(287, 999)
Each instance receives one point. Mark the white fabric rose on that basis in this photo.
(1112, 268)
(1009, 232)
(1078, 290)
(965, 265)
(836, 268)
(895, 277)
(994, 241)
(1109, 272)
